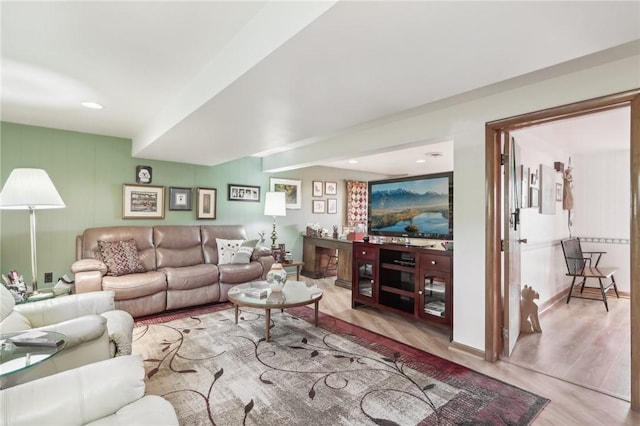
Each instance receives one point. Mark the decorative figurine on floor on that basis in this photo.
(529, 321)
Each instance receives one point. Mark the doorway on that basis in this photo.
(493, 280)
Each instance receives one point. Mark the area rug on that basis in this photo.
(215, 372)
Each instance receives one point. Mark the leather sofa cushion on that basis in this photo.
(190, 277)
(211, 232)
(240, 273)
(177, 246)
(143, 235)
(135, 285)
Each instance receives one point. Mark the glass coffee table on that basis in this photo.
(293, 294)
(14, 358)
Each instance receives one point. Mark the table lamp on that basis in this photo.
(30, 189)
(275, 204)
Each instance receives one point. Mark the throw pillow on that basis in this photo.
(228, 249)
(243, 254)
(121, 257)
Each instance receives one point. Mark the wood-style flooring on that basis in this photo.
(582, 343)
(570, 404)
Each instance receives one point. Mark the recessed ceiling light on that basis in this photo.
(421, 161)
(353, 161)
(435, 154)
(91, 105)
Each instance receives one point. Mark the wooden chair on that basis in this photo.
(332, 263)
(581, 265)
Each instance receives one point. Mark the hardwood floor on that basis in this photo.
(582, 343)
(570, 404)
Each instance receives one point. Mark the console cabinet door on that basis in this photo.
(365, 273)
(435, 301)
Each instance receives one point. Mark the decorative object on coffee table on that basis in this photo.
(277, 275)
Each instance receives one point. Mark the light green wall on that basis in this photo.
(89, 170)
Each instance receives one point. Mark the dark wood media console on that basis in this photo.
(412, 281)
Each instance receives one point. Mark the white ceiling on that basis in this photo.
(208, 82)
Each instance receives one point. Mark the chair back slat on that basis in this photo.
(573, 256)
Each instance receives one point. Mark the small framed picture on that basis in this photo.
(143, 174)
(558, 191)
(142, 202)
(534, 200)
(317, 188)
(332, 205)
(331, 188)
(179, 198)
(243, 193)
(206, 203)
(319, 206)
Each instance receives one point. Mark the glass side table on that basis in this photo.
(14, 359)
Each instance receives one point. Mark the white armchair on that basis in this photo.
(94, 330)
(105, 393)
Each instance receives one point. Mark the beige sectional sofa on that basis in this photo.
(167, 267)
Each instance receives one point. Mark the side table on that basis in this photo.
(298, 266)
(15, 358)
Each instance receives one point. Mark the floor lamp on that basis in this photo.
(275, 204)
(30, 189)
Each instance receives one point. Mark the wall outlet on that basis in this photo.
(48, 277)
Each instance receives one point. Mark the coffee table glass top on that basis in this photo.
(17, 358)
(293, 293)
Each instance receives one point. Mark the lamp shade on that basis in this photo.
(29, 189)
(275, 204)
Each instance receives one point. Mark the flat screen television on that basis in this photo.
(412, 206)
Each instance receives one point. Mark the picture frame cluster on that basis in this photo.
(322, 188)
(145, 201)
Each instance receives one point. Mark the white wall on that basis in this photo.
(465, 124)
(602, 214)
(542, 260)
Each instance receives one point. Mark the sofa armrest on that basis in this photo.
(79, 330)
(266, 262)
(88, 275)
(82, 395)
(151, 410)
(64, 308)
(260, 251)
(120, 327)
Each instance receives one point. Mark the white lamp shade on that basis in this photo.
(275, 204)
(29, 189)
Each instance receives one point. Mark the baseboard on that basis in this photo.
(455, 346)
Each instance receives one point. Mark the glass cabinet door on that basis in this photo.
(433, 295)
(365, 279)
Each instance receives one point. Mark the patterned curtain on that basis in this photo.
(357, 195)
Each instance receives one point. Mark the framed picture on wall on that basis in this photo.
(524, 180)
(243, 192)
(319, 206)
(317, 188)
(293, 189)
(142, 202)
(558, 191)
(534, 200)
(332, 205)
(206, 203)
(179, 198)
(331, 188)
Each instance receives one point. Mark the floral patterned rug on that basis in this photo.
(215, 372)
